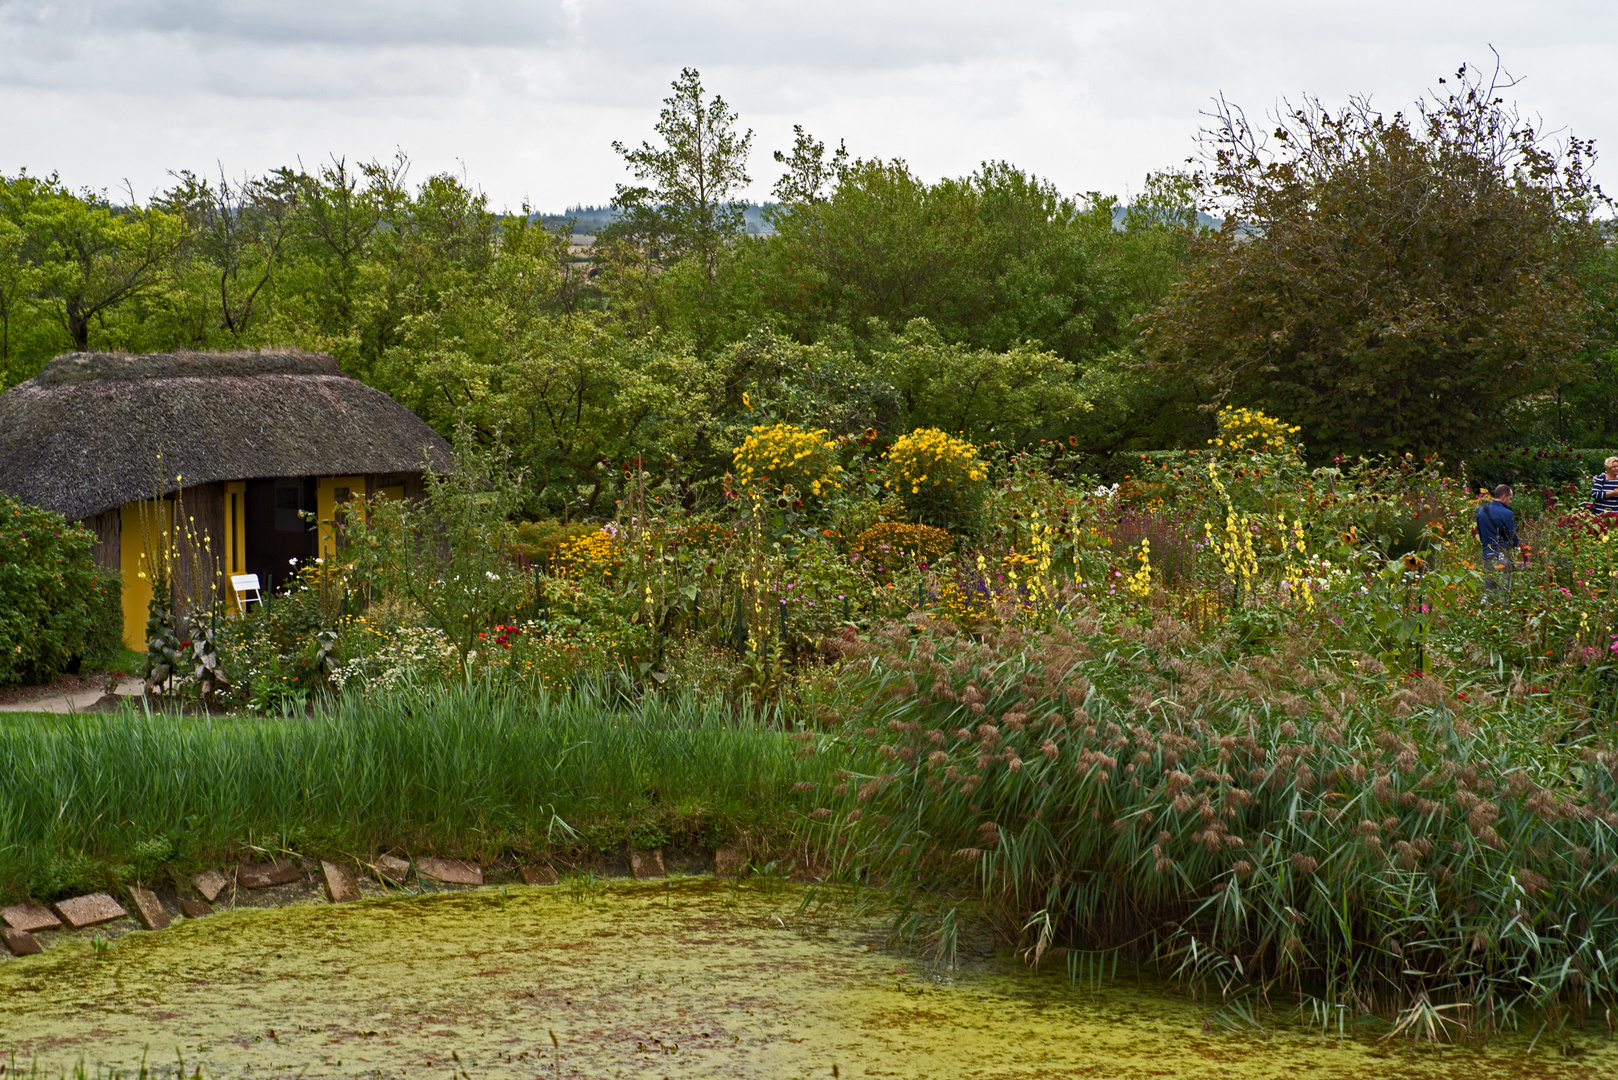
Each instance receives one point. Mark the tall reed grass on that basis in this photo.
(1267, 824)
(89, 800)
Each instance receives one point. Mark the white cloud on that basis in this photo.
(529, 95)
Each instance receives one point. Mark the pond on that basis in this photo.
(692, 977)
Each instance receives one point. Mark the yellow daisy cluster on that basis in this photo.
(1248, 431)
(772, 457)
(928, 458)
(593, 555)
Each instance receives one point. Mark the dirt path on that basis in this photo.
(71, 693)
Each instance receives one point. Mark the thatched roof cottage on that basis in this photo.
(249, 441)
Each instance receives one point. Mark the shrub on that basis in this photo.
(1534, 467)
(50, 593)
(105, 638)
(592, 556)
(939, 477)
(892, 545)
(1243, 432)
(448, 553)
(539, 541)
(773, 457)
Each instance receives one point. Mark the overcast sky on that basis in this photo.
(526, 96)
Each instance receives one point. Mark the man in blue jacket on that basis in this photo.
(1497, 531)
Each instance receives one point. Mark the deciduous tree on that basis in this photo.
(1388, 282)
(87, 255)
(687, 206)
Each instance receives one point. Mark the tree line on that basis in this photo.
(1431, 281)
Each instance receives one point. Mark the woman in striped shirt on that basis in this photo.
(1604, 492)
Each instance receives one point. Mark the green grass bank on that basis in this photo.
(90, 801)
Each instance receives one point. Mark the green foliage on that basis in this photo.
(994, 260)
(104, 641)
(448, 553)
(688, 208)
(1390, 283)
(51, 596)
(815, 385)
(470, 771)
(581, 403)
(1019, 394)
(75, 261)
(1534, 467)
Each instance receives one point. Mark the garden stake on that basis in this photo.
(741, 630)
(845, 609)
(781, 624)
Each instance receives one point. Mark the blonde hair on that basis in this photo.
(1610, 462)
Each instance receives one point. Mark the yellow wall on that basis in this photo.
(132, 561)
(327, 501)
(235, 552)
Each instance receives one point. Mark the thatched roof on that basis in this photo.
(85, 435)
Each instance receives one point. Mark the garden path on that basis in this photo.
(54, 701)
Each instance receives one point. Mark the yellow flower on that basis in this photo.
(785, 454)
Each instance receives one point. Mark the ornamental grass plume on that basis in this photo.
(1245, 821)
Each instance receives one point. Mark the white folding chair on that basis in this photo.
(246, 586)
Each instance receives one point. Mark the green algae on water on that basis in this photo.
(688, 978)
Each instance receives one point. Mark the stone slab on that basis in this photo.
(30, 917)
(452, 871)
(210, 883)
(729, 862)
(195, 909)
(88, 910)
(20, 942)
(391, 868)
(148, 908)
(538, 875)
(263, 875)
(340, 883)
(647, 864)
